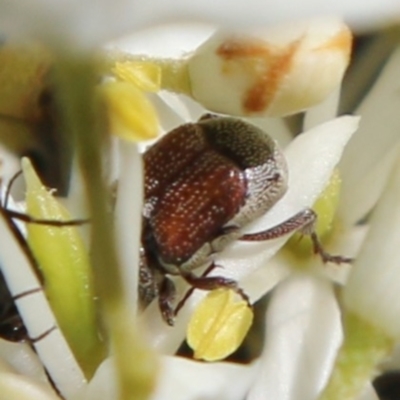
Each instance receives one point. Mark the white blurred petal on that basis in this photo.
(180, 379)
(128, 215)
(37, 315)
(373, 288)
(322, 112)
(311, 158)
(303, 333)
(103, 385)
(166, 40)
(17, 387)
(372, 146)
(183, 379)
(259, 12)
(20, 358)
(92, 22)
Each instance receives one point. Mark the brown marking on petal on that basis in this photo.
(266, 63)
(341, 42)
(234, 49)
(261, 94)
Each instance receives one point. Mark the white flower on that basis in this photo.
(311, 159)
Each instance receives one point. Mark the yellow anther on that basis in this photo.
(131, 114)
(218, 325)
(145, 75)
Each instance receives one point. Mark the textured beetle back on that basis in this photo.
(257, 154)
(239, 141)
(193, 208)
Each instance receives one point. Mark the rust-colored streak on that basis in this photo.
(236, 49)
(267, 63)
(340, 43)
(262, 93)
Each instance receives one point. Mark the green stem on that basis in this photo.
(134, 361)
(363, 348)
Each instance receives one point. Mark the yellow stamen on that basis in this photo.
(218, 325)
(131, 114)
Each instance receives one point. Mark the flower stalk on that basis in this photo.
(76, 79)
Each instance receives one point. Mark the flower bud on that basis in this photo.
(274, 72)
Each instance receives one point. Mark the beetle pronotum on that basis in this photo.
(204, 181)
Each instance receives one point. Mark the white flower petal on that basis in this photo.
(91, 22)
(128, 216)
(372, 146)
(17, 387)
(183, 379)
(180, 379)
(303, 333)
(258, 12)
(37, 315)
(172, 40)
(21, 358)
(103, 385)
(322, 112)
(373, 288)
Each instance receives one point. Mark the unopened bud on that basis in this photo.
(277, 71)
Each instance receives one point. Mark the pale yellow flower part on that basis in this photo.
(325, 207)
(218, 325)
(131, 114)
(270, 72)
(17, 387)
(145, 75)
(64, 262)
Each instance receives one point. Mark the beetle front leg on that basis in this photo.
(304, 222)
(191, 290)
(214, 282)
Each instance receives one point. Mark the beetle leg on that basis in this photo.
(42, 335)
(166, 296)
(191, 290)
(304, 221)
(50, 222)
(214, 282)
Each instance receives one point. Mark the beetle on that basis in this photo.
(204, 181)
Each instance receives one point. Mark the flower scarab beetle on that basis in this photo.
(203, 182)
